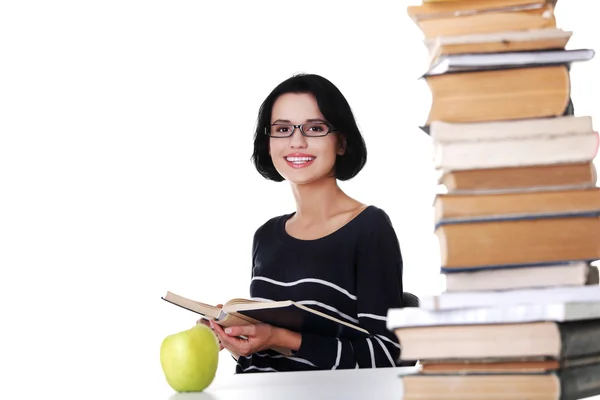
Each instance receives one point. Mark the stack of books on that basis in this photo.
(519, 222)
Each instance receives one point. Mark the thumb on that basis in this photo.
(219, 306)
(246, 330)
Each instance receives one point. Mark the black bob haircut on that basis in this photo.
(335, 109)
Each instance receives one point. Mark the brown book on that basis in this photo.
(461, 207)
(541, 18)
(478, 342)
(499, 95)
(534, 177)
(527, 240)
(564, 384)
(446, 9)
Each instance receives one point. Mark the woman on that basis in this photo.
(333, 253)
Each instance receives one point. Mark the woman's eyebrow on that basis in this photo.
(287, 121)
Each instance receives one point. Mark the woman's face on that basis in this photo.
(300, 159)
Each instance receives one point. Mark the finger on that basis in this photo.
(210, 325)
(217, 328)
(238, 346)
(219, 340)
(230, 342)
(241, 347)
(203, 322)
(219, 306)
(246, 330)
(219, 331)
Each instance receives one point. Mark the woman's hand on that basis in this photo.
(258, 337)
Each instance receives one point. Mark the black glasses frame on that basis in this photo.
(301, 127)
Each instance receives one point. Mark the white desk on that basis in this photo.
(364, 384)
(380, 384)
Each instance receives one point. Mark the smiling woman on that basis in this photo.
(333, 253)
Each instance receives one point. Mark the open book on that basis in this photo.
(283, 314)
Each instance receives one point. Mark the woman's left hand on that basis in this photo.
(259, 337)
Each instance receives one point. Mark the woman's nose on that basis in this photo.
(297, 140)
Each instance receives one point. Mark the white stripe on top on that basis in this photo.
(328, 307)
(373, 316)
(306, 280)
(262, 299)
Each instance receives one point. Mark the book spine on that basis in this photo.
(580, 338)
(580, 382)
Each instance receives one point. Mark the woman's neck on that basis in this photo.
(318, 200)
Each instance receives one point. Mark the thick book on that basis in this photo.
(529, 178)
(567, 112)
(499, 94)
(565, 384)
(514, 241)
(482, 16)
(481, 343)
(283, 314)
(455, 9)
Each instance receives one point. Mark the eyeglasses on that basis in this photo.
(309, 130)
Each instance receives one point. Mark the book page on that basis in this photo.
(203, 309)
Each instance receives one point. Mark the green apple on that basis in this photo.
(189, 359)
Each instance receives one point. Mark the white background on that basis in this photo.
(126, 134)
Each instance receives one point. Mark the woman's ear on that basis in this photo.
(341, 148)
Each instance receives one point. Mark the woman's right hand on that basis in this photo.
(206, 322)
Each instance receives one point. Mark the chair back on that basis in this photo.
(410, 300)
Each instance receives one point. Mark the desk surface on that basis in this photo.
(381, 384)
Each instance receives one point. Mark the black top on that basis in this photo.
(354, 274)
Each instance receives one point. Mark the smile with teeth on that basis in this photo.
(299, 160)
